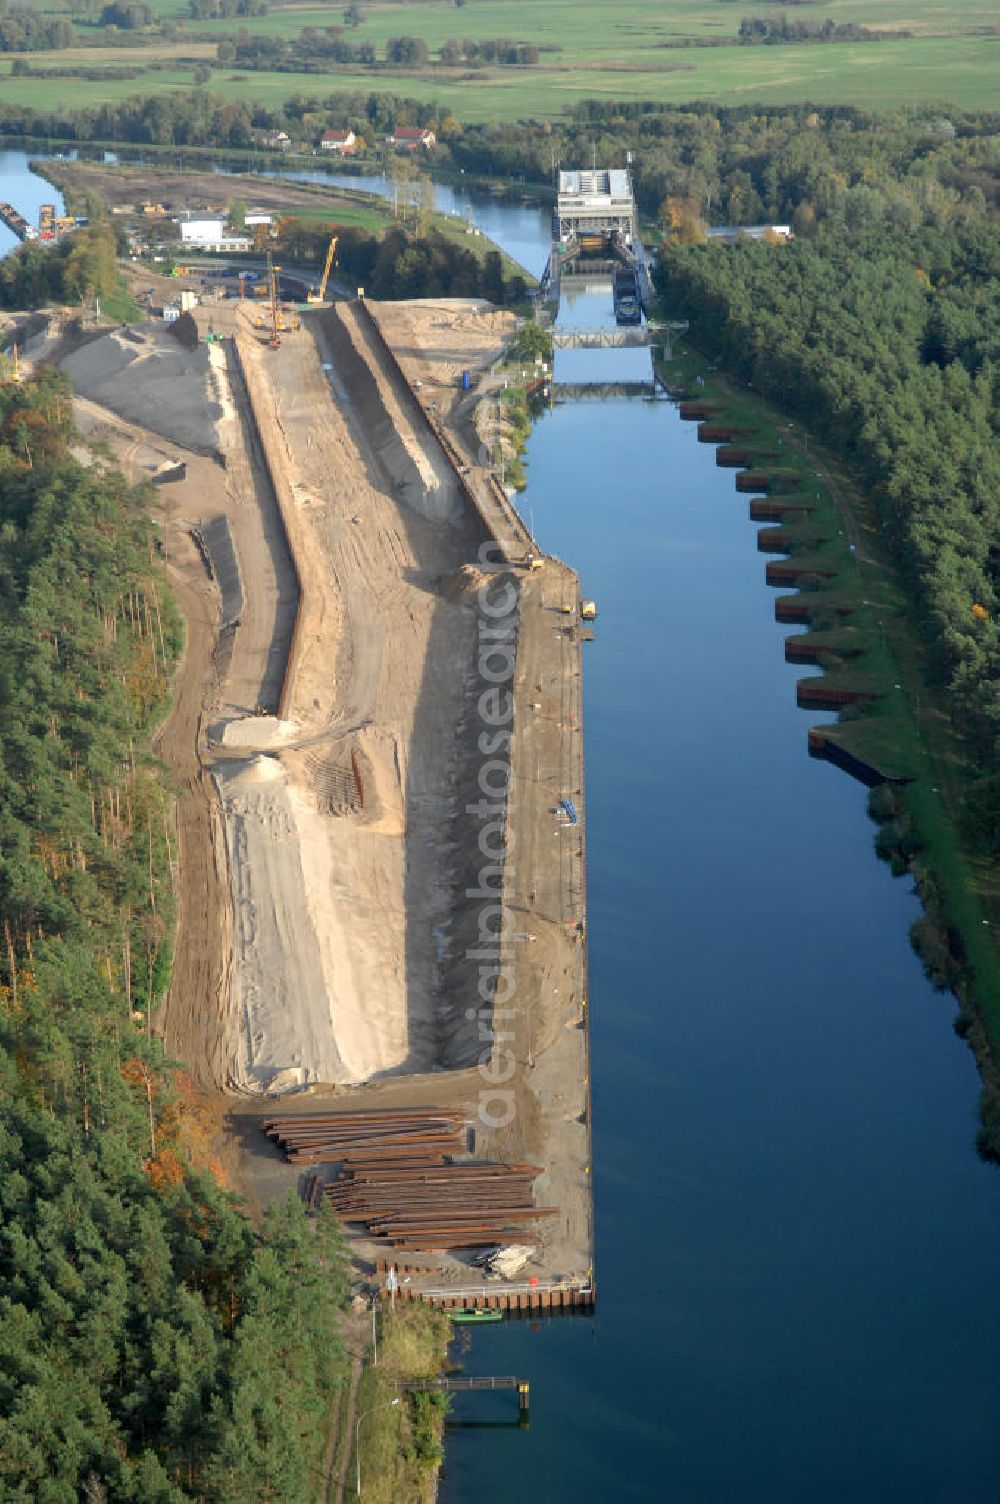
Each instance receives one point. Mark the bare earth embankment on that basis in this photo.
(325, 742)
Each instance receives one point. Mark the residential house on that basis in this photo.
(343, 142)
(411, 138)
(273, 140)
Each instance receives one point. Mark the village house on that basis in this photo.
(344, 142)
(273, 140)
(411, 138)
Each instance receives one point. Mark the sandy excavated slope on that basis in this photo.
(342, 821)
(321, 849)
(335, 730)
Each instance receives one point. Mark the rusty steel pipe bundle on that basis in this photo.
(448, 1206)
(373, 1134)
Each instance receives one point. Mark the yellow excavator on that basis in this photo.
(319, 296)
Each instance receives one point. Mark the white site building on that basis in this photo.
(211, 235)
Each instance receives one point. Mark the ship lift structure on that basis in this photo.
(595, 232)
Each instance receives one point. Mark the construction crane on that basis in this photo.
(277, 322)
(319, 295)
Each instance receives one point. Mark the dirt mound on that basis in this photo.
(463, 584)
(158, 383)
(185, 331)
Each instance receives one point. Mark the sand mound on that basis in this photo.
(262, 770)
(255, 732)
(157, 383)
(464, 584)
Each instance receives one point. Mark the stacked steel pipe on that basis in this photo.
(372, 1136)
(464, 1205)
(396, 1181)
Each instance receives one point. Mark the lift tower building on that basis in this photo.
(595, 203)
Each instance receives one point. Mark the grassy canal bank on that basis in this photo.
(392, 1432)
(823, 544)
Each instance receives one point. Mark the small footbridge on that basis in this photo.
(600, 339)
(629, 338)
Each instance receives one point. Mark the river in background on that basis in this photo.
(521, 229)
(26, 191)
(796, 1244)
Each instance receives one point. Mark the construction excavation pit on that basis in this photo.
(362, 627)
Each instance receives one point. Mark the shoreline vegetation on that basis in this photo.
(404, 250)
(402, 1439)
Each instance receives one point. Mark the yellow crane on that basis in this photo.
(277, 321)
(320, 294)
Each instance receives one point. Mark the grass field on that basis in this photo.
(629, 50)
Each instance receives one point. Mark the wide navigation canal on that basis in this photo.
(796, 1244)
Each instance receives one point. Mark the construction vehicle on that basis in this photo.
(319, 295)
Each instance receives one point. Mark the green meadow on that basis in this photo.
(637, 49)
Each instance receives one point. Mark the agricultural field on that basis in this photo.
(665, 50)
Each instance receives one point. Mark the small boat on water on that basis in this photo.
(475, 1317)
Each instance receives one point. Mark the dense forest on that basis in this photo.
(155, 1348)
(747, 164)
(399, 264)
(77, 268)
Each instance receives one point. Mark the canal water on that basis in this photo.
(796, 1244)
